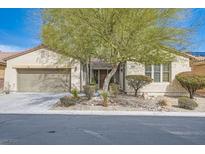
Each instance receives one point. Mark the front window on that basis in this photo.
(159, 73)
(148, 71)
(166, 73)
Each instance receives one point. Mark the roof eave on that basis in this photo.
(3, 63)
(25, 52)
(174, 51)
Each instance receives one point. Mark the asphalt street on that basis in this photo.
(96, 130)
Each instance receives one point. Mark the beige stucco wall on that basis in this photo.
(40, 58)
(2, 68)
(179, 64)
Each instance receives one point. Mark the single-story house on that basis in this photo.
(42, 70)
(198, 67)
(3, 66)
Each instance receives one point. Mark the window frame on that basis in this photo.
(156, 72)
(161, 73)
(169, 72)
(150, 71)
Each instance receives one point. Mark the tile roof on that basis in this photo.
(4, 55)
(199, 61)
(24, 52)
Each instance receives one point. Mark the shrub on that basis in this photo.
(164, 103)
(104, 95)
(138, 81)
(93, 82)
(7, 88)
(191, 82)
(68, 101)
(114, 89)
(187, 103)
(89, 90)
(74, 92)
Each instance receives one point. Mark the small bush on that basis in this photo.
(7, 88)
(93, 82)
(114, 89)
(89, 90)
(164, 103)
(67, 101)
(74, 92)
(138, 81)
(187, 103)
(191, 82)
(105, 98)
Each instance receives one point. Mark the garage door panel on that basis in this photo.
(43, 80)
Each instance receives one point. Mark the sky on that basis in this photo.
(20, 29)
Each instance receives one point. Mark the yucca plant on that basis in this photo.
(105, 97)
(74, 92)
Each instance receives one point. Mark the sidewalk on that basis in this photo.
(112, 113)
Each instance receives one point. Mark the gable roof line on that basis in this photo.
(174, 51)
(25, 52)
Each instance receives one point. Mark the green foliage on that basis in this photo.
(74, 92)
(138, 81)
(114, 89)
(67, 101)
(93, 82)
(164, 103)
(187, 103)
(63, 33)
(191, 82)
(105, 97)
(114, 35)
(89, 90)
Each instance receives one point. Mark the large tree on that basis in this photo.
(113, 35)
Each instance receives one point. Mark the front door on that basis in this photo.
(103, 74)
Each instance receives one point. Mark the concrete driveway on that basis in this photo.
(28, 102)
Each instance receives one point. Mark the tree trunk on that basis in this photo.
(80, 77)
(87, 73)
(191, 95)
(109, 76)
(136, 93)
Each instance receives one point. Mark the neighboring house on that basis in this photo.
(3, 66)
(198, 67)
(42, 70)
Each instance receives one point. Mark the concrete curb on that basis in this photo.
(113, 113)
